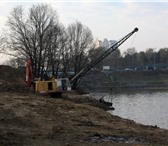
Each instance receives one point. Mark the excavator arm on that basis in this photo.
(102, 56)
(29, 74)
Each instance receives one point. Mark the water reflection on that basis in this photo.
(149, 108)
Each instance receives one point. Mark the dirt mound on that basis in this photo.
(11, 79)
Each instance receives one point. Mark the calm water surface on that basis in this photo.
(146, 108)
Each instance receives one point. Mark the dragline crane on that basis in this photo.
(64, 84)
(102, 56)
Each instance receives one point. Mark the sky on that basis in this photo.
(111, 19)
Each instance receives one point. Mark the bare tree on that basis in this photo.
(40, 37)
(2, 44)
(80, 41)
(56, 50)
(65, 53)
(31, 36)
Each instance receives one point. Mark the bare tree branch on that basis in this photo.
(80, 42)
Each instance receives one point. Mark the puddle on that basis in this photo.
(118, 139)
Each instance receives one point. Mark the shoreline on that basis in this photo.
(69, 121)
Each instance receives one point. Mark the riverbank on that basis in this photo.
(121, 81)
(29, 119)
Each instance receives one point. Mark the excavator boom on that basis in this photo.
(28, 73)
(102, 56)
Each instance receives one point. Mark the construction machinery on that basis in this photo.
(64, 84)
(102, 56)
(46, 86)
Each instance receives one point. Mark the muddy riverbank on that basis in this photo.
(29, 119)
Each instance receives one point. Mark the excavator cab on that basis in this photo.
(63, 84)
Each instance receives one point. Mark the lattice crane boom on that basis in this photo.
(102, 56)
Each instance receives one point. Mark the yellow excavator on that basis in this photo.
(64, 84)
(53, 85)
(46, 86)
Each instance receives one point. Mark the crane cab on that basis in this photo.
(53, 86)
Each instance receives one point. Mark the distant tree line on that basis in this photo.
(133, 59)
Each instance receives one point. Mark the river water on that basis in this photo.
(149, 108)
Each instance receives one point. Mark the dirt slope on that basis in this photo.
(12, 79)
(28, 119)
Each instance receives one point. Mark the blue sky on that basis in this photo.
(111, 20)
